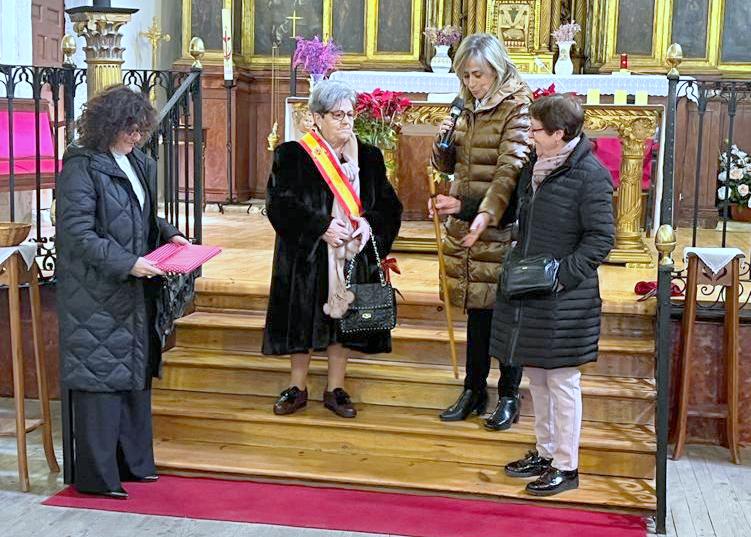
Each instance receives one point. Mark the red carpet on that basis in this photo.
(353, 510)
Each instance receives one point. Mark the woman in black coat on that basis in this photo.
(565, 210)
(109, 347)
(315, 239)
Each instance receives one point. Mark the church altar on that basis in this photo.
(448, 83)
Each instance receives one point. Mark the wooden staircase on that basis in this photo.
(212, 409)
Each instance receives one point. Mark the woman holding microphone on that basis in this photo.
(487, 150)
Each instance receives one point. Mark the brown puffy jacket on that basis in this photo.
(491, 146)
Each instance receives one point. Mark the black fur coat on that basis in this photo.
(299, 205)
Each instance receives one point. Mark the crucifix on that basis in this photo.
(153, 34)
(294, 18)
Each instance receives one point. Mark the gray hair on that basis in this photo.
(489, 49)
(327, 93)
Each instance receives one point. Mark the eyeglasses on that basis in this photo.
(339, 115)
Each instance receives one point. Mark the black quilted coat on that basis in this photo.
(105, 332)
(570, 217)
(299, 205)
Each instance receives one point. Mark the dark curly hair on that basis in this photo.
(114, 110)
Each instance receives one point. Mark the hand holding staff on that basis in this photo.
(442, 271)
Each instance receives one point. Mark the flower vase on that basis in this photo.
(740, 213)
(564, 66)
(315, 78)
(441, 63)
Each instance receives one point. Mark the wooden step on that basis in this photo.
(414, 307)
(606, 399)
(409, 433)
(383, 472)
(418, 343)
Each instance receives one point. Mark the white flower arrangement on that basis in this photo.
(734, 185)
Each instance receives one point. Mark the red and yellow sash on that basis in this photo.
(332, 173)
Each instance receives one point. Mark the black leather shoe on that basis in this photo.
(554, 481)
(531, 465)
(505, 414)
(291, 400)
(148, 478)
(339, 402)
(118, 494)
(469, 401)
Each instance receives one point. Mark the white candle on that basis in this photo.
(227, 43)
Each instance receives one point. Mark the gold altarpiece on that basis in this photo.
(713, 34)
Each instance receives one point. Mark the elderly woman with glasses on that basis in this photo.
(107, 300)
(327, 196)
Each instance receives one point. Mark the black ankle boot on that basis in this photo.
(505, 413)
(469, 401)
(554, 481)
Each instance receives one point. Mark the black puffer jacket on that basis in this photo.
(102, 310)
(570, 217)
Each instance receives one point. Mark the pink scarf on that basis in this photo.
(545, 165)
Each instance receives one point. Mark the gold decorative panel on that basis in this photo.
(523, 29)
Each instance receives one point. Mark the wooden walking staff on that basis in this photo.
(442, 275)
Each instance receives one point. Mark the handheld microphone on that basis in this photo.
(457, 107)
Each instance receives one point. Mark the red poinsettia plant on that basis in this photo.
(378, 113)
(543, 92)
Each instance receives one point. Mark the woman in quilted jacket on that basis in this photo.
(109, 349)
(488, 150)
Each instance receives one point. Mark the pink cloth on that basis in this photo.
(608, 151)
(24, 144)
(182, 258)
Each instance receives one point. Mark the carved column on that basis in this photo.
(634, 126)
(100, 27)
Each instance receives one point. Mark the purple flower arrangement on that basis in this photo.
(446, 36)
(316, 57)
(566, 32)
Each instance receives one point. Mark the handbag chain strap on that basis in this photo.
(381, 276)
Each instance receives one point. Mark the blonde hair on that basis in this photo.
(489, 49)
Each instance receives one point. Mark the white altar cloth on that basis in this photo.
(423, 82)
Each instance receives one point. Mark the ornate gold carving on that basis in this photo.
(515, 22)
(104, 50)
(634, 125)
(425, 114)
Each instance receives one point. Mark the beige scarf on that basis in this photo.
(340, 297)
(545, 165)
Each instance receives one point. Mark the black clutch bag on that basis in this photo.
(528, 276)
(374, 307)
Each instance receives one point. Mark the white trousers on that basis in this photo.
(557, 402)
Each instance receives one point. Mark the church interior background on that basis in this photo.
(660, 137)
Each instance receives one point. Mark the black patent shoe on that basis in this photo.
(291, 400)
(554, 481)
(469, 401)
(531, 465)
(119, 494)
(505, 414)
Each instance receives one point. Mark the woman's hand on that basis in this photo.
(444, 205)
(336, 234)
(145, 269)
(445, 126)
(179, 240)
(479, 224)
(362, 232)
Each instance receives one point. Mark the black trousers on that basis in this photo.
(112, 439)
(478, 357)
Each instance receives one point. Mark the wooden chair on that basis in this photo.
(13, 274)
(729, 279)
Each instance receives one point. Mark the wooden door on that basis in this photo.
(47, 27)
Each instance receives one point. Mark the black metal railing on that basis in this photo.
(38, 109)
(694, 98)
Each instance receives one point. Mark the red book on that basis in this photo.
(183, 258)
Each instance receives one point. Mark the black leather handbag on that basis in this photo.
(528, 276)
(374, 307)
